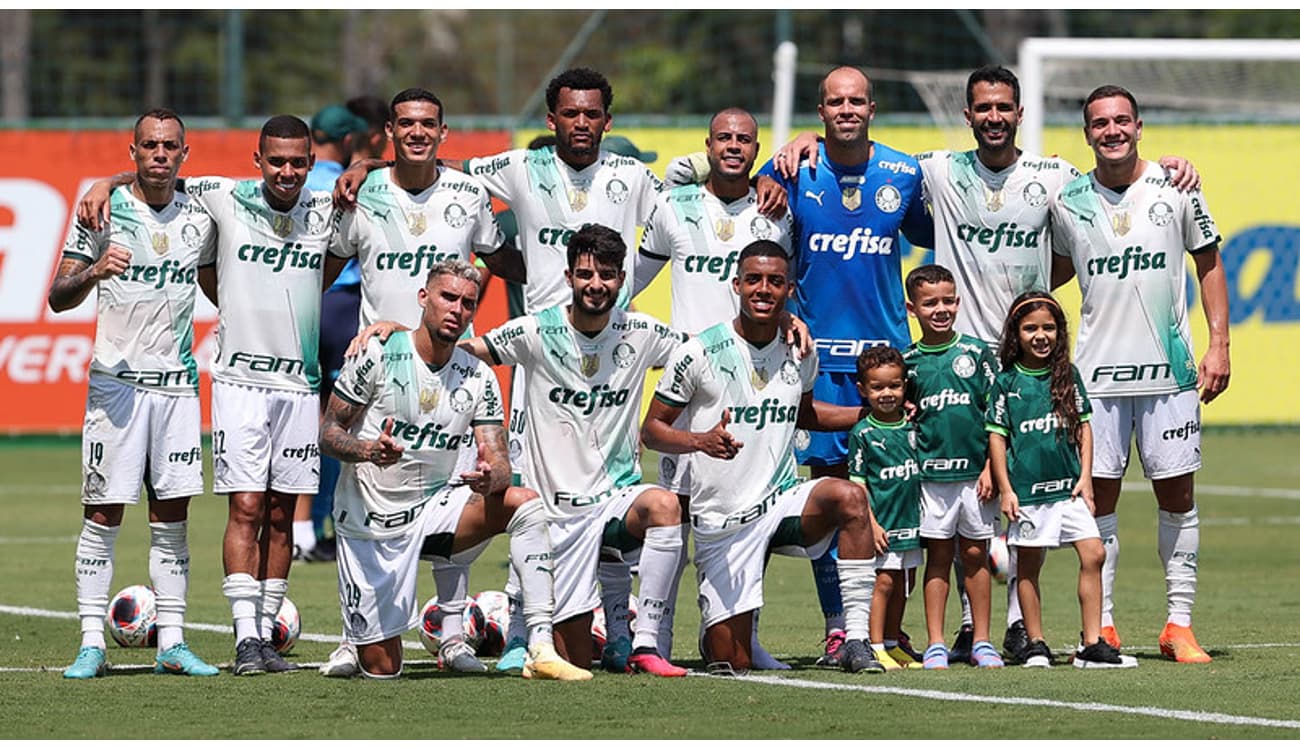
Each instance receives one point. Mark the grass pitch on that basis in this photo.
(1247, 607)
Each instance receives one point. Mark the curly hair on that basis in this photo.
(1064, 399)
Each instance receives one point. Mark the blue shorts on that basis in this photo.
(828, 448)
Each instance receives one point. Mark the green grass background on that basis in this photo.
(1246, 616)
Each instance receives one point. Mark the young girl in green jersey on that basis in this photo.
(1040, 449)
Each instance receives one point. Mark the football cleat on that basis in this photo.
(615, 655)
(1178, 643)
(936, 657)
(856, 656)
(985, 656)
(544, 664)
(90, 662)
(248, 658)
(1015, 642)
(886, 661)
(455, 655)
(903, 658)
(960, 653)
(273, 661)
(514, 657)
(649, 661)
(342, 662)
(905, 645)
(831, 654)
(179, 659)
(1037, 654)
(1102, 655)
(1110, 635)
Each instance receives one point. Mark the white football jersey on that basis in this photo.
(991, 230)
(761, 388)
(702, 236)
(144, 332)
(1129, 252)
(583, 397)
(397, 237)
(432, 411)
(269, 273)
(552, 200)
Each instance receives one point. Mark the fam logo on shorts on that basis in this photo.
(888, 199)
(617, 191)
(1034, 195)
(455, 215)
(1160, 214)
(963, 365)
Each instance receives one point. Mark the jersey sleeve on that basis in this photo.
(487, 235)
(651, 187)
(344, 239)
(84, 244)
(681, 375)
(808, 371)
(498, 173)
(995, 414)
(358, 380)
(857, 460)
(211, 193)
(666, 341)
(655, 251)
(918, 224)
(1081, 399)
(1199, 230)
(489, 410)
(988, 364)
(512, 343)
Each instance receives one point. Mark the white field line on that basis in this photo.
(938, 695)
(1160, 713)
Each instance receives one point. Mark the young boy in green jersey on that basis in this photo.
(882, 455)
(1040, 449)
(949, 376)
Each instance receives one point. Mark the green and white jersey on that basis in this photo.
(432, 412)
(1128, 250)
(552, 200)
(583, 397)
(991, 230)
(144, 331)
(269, 272)
(882, 455)
(397, 237)
(760, 388)
(950, 386)
(1041, 462)
(702, 235)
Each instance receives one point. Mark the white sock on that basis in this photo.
(660, 555)
(452, 581)
(304, 535)
(665, 645)
(854, 575)
(1108, 526)
(94, 569)
(1013, 600)
(516, 629)
(169, 571)
(244, 593)
(615, 590)
(273, 591)
(1180, 543)
(532, 566)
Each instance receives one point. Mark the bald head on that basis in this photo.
(845, 74)
(733, 112)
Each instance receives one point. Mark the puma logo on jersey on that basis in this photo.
(878, 444)
(550, 189)
(815, 196)
(693, 221)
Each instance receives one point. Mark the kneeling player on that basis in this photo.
(744, 391)
(396, 418)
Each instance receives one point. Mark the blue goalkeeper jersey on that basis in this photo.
(848, 252)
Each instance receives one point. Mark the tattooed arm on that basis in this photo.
(337, 441)
(492, 474)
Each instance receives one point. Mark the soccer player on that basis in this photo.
(744, 390)
(586, 365)
(949, 376)
(142, 405)
(699, 230)
(1123, 229)
(398, 417)
(848, 216)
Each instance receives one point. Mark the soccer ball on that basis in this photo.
(132, 617)
(431, 626)
(494, 606)
(474, 623)
(998, 554)
(287, 627)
